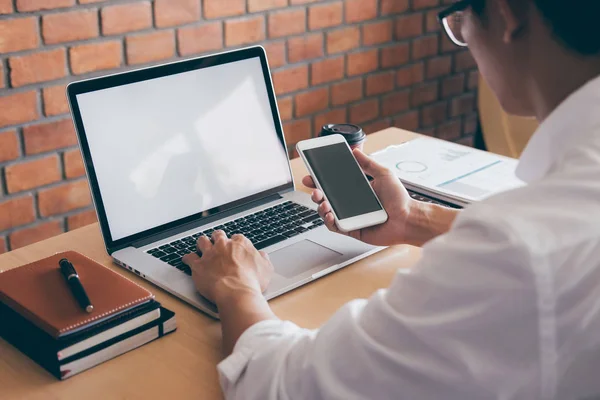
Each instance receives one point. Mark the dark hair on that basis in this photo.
(574, 23)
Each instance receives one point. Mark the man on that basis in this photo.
(505, 303)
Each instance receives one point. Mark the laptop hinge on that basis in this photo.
(205, 220)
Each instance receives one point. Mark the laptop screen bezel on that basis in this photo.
(140, 75)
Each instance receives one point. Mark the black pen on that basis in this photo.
(70, 274)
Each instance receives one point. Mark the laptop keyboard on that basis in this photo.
(264, 228)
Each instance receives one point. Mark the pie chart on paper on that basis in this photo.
(411, 167)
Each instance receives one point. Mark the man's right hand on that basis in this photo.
(393, 196)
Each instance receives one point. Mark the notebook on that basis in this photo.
(39, 292)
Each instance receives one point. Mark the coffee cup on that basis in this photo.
(353, 134)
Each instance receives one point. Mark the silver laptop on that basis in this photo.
(176, 151)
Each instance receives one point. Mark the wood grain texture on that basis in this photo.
(183, 365)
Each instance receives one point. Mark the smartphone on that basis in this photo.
(337, 174)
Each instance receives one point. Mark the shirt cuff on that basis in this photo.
(231, 368)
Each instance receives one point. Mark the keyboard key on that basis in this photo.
(170, 250)
(290, 234)
(170, 257)
(176, 262)
(152, 251)
(159, 254)
(269, 242)
(311, 218)
(301, 229)
(163, 246)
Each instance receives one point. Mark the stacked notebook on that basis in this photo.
(40, 316)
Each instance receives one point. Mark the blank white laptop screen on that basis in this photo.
(167, 148)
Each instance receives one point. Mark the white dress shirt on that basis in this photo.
(504, 306)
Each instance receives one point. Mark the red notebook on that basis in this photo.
(39, 292)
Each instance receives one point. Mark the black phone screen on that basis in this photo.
(342, 180)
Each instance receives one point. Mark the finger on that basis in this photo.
(308, 182)
(190, 259)
(370, 166)
(204, 244)
(238, 238)
(264, 255)
(329, 220)
(324, 208)
(219, 235)
(317, 196)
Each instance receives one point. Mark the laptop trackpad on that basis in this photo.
(301, 257)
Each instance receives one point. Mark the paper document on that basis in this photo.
(456, 171)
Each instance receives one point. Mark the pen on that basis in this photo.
(70, 274)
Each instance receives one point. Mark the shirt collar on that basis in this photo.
(572, 119)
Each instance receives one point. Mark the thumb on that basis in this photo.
(370, 166)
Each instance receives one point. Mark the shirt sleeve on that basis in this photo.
(462, 325)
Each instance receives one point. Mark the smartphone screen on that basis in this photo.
(342, 180)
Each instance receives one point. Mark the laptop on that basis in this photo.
(179, 150)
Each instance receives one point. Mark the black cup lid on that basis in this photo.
(352, 133)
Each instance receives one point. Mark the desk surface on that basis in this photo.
(183, 365)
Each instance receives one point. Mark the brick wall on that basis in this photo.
(377, 63)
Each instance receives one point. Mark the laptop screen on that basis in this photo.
(167, 148)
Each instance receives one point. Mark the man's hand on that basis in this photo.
(393, 196)
(228, 265)
(409, 221)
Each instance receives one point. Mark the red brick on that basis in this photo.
(36, 5)
(18, 108)
(73, 164)
(1, 75)
(292, 152)
(3, 245)
(467, 141)
(347, 91)
(6, 7)
(312, 101)
(432, 24)
(27, 236)
(377, 33)
(38, 67)
(305, 47)
(18, 34)
(275, 53)
(434, 114)
(471, 124)
(285, 23)
(200, 39)
(328, 70)
(290, 79)
(425, 47)
(244, 31)
(285, 105)
(395, 103)
(9, 146)
(55, 100)
(463, 61)
(362, 62)
(473, 80)
(16, 212)
(335, 116)
(95, 56)
(463, 105)
(31, 174)
(394, 6)
(365, 111)
(423, 94)
(149, 47)
(64, 198)
(449, 131)
(377, 126)
(178, 12)
(342, 40)
(122, 18)
(419, 4)
(49, 136)
(382, 82)
(408, 121)
(409, 26)
(410, 75)
(439, 66)
(81, 219)
(70, 26)
(453, 85)
(325, 15)
(427, 131)
(262, 5)
(297, 130)
(224, 8)
(395, 55)
(361, 10)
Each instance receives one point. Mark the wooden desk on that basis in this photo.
(183, 365)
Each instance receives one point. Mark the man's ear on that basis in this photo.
(514, 13)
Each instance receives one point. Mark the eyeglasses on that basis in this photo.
(452, 20)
